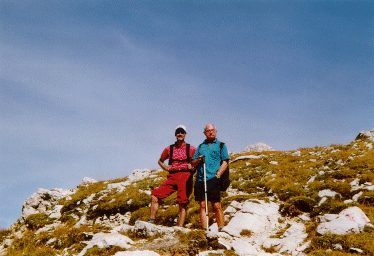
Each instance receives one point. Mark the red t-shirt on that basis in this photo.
(179, 157)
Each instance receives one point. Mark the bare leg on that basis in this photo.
(203, 217)
(154, 207)
(182, 214)
(220, 217)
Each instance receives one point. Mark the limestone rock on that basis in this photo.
(350, 220)
(43, 201)
(366, 135)
(106, 240)
(87, 181)
(258, 147)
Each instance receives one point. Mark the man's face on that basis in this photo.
(210, 133)
(180, 134)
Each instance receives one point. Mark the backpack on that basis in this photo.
(225, 177)
(224, 181)
(187, 151)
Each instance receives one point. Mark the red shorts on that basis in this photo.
(181, 182)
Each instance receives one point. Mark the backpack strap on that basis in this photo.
(188, 152)
(171, 154)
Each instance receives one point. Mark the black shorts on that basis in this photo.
(213, 189)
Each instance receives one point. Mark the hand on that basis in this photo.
(201, 158)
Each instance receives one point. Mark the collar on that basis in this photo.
(207, 142)
(183, 144)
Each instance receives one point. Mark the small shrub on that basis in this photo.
(296, 206)
(329, 206)
(367, 198)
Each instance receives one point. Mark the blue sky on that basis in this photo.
(96, 88)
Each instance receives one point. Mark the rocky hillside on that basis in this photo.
(310, 201)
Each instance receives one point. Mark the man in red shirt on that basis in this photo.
(180, 177)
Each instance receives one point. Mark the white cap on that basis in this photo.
(181, 126)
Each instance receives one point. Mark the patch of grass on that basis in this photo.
(246, 232)
(95, 251)
(127, 201)
(332, 206)
(83, 192)
(37, 221)
(4, 233)
(140, 214)
(281, 231)
(67, 236)
(271, 249)
(196, 237)
(30, 244)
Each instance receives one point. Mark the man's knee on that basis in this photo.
(154, 199)
(202, 204)
(217, 206)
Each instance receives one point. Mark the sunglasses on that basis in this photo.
(179, 130)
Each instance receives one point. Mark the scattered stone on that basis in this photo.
(356, 250)
(327, 193)
(247, 157)
(297, 153)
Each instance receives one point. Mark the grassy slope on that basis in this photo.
(284, 175)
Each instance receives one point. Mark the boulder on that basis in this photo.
(107, 240)
(350, 220)
(145, 229)
(256, 216)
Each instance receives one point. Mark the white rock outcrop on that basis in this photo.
(43, 201)
(366, 135)
(258, 147)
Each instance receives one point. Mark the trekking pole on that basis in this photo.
(206, 197)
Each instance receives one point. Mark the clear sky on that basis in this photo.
(96, 88)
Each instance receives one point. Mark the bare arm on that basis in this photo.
(222, 168)
(196, 162)
(163, 165)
